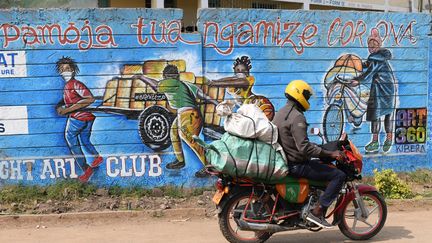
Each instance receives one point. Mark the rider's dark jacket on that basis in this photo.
(292, 128)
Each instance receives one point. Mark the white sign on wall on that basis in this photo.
(340, 3)
(13, 120)
(13, 64)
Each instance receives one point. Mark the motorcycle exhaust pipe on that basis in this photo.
(272, 228)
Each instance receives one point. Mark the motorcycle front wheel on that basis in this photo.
(356, 227)
(234, 210)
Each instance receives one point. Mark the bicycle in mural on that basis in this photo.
(345, 101)
(360, 88)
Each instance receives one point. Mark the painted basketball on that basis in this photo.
(346, 67)
(350, 61)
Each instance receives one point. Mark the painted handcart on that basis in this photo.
(131, 97)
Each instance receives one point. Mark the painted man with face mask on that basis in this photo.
(77, 96)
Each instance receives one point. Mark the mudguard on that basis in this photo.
(232, 192)
(348, 198)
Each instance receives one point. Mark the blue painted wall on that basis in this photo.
(107, 45)
(306, 45)
(112, 47)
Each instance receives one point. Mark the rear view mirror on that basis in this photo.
(315, 131)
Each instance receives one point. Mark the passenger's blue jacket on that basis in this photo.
(378, 75)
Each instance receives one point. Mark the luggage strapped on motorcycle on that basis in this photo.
(267, 177)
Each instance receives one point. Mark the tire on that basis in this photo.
(353, 232)
(154, 127)
(224, 222)
(333, 123)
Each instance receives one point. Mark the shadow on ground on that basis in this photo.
(387, 234)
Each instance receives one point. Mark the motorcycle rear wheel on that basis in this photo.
(363, 229)
(229, 227)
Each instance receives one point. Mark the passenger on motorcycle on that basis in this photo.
(292, 127)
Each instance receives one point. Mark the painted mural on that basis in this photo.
(360, 89)
(115, 96)
(93, 95)
(369, 72)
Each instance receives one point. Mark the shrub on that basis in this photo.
(389, 184)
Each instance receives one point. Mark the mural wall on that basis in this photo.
(92, 95)
(369, 72)
(114, 96)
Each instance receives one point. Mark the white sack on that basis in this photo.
(224, 108)
(251, 122)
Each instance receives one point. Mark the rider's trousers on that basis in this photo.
(314, 170)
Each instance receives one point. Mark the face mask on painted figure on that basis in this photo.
(66, 75)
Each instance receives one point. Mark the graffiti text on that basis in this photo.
(410, 126)
(85, 37)
(121, 166)
(347, 32)
(12, 169)
(278, 33)
(410, 148)
(164, 32)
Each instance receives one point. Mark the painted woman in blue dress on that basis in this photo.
(377, 74)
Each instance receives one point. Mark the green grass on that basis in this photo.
(391, 186)
(134, 192)
(420, 176)
(65, 190)
(72, 190)
(69, 190)
(62, 190)
(427, 194)
(20, 193)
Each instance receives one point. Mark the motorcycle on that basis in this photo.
(251, 211)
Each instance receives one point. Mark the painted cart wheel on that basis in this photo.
(333, 123)
(154, 127)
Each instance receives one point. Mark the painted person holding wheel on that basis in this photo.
(182, 96)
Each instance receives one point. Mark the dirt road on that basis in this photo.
(401, 226)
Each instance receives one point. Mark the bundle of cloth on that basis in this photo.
(249, 147)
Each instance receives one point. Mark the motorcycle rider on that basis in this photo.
(292, 128)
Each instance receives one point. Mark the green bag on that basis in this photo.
(240, 157)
